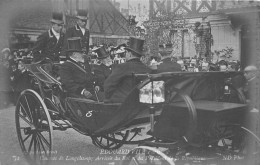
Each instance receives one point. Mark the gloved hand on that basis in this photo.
(97, 88)
(87, 94)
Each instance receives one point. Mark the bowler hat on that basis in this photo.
(101, 52)
(136, 45)
(57, 18)
(74, 44)
(82, 14)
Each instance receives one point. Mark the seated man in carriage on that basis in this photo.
(102, 69)
(118, 85)
(77, 81)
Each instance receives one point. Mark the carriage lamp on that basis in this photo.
(152, 93)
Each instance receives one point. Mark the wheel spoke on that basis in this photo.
(26, 138)
(38, 144)
(30, 146)
(44, 140)
(108, 143)
(42, 144)
(35, 146)
(28, 107)
(24, 110)
(28, 122)
(135, 161)
(101, 138)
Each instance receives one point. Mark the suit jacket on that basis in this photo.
(75, 78)
(119, 84)
(101, 73)
(251, 92)
(76, 32)
(168, 66)
(48, 46)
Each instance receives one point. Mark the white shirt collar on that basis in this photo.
(82, 29)
(57, 35)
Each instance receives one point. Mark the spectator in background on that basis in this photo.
(79, 30)
(5, 53)
(4, 85)
(250, 73)
(167, 65)
(251, 90)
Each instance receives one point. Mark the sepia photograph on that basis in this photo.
(129, 82)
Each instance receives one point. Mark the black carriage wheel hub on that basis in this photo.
(29, 130)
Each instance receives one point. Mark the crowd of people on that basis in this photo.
(97, 72)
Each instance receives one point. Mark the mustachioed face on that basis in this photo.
(82, 23)
(57, 27)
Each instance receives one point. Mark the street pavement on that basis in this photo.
(69, 147)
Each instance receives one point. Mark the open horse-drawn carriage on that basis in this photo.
(206, 109)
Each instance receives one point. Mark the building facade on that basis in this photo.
(202, 28)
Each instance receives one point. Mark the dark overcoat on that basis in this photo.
(120, 83)
(75, 78)
(168, 66)
(76, 32)
(101, 73)
(48, 46)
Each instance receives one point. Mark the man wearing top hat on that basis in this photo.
(119, 83)
(76, 80)
(79, 30)
(103, 68)
(167, 65)
(50, 43)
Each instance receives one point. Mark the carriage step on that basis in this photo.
(61, 128)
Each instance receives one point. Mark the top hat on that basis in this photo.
(82, 14)
(165, 49)
(74, 45)
(57, 18)
(136, 45)
(102, 53)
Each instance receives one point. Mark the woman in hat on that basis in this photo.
(119, 83)
(79, 30)
(50, 43)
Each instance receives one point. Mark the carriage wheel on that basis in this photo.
(245, 144)
(144, 155)
(33, 126)
(111, 141)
